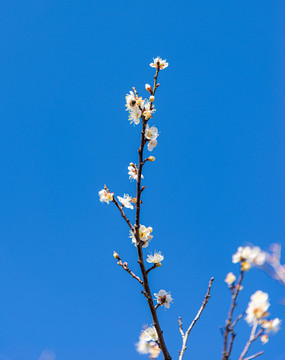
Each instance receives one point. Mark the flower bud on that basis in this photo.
(151, 158)
(148, 88)
(132, 164)
(116, 255)
(157, 85)
(151, 98)
(158, 264)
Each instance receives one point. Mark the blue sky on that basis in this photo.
(217, 183)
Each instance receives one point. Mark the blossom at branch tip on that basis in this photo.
(105, 196)
(158, 63)
(126, 201)
(144, 235)
(133, 172)
(249, 256)
(155, 259)
(230, 278)
(163, 298)
(148, 343)
(257, 307)
(264, 339)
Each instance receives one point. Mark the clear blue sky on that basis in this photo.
(218, 181)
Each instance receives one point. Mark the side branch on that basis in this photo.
(123, 213)
(197, 317)
(124, 265)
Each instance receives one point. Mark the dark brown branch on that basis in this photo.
(151, 268)
(124, 265)
(197, 317)
(123, 213)
(229, 323)
(147, 291)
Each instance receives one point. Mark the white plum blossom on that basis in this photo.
(158, 63)
(155, 259)
(151, 133)
(133, 172)
(133, 104)
(148, 343)
(230, 278)
(135, 115)
(257, 307)
(151, 144)
(249, 256)
(163, 298)
(105, 196)
(264, 339)
(126, 201)
(148, 110)
(144, 234)
(271, 325)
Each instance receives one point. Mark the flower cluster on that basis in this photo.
(256, 314)
(249, 256)
(106, 196)
(148, 343)
(144, 235)
(163, 298)
(151, 134)
(137, 107)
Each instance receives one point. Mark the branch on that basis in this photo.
(122, 213)
(197, 317)
(126, 268)
(229, 323)
(254, 356)
(253, 336)
(147, 291)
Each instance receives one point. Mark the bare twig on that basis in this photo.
(187, 333)
(229, 328)
(253, 336)
(254, 356)
(151, 268)
(123, 213)
(124, 265)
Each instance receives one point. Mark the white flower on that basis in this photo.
(258, 256)
(151, 133)
(159, 63)
(257, 307)
(163, 298)
(155, 259)
(105, 196)
(272, 325)
(147, 343)
(264, 339)
(133, 172)
(150, 334)
(144, 234)
(130, 101)
(126, 201)
(135, 114)
(230, 278)
(151, 144)
(148, 110)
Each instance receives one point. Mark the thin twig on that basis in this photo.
(197, 317)
(124, 265)
(229, 323)
(151, 268)
(254, 356)
(123, 213)
(253, 336)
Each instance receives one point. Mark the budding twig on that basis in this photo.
(197, 317)
(123, 213)
(125, 266)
